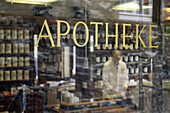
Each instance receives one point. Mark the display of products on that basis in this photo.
(15, 48)
(13, 75)
(8, 34)
(1, 34)
(21, 48)
(7, 75)
(1, 76)
(14, 34)
(26, 34)
(26, 74)
(8, 48)
(19, 74)
(20, 34)
(8, 61)
(2, 61)
(2, 48)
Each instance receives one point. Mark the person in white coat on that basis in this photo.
(115, 76)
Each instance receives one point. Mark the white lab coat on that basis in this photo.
(114, 78)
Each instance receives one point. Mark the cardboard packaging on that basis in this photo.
(13, 75)
(8, 34)
(2, 48)
(7, 75)
(1, 34)
(14, 34)
(8, 61)
(19, 74)
(21, 61)
(14, 62)
(52, 95)
(20, 34)
(2, 61)
(1, 75)
(15, 48)
(26, 34)
(27, 61)
(8, 48)
(27, 48)
(21, 48)
(26, 74)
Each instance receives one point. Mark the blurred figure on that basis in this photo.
(115, 76)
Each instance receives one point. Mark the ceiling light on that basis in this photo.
(167, 10)
(167, 18)
(129, 6)
(38, 2)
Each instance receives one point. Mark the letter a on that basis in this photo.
(48, 32)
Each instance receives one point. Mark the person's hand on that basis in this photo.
(116, 92)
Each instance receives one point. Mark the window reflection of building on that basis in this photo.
(129, 10)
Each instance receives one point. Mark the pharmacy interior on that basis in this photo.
(84, 56)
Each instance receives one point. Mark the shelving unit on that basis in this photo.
(16, 56)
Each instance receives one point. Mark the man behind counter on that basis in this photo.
(115, 76)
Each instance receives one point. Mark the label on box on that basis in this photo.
(2, 48)
(20, 34)
(2, 61)
(19, 74)
(15, 48)
(27, 61)
(13, 75)
(8, 61)
(8, 48)
(27, 48)
(26, 74)
(21, 48)
(26, 34)
(8, 34)
(7, 75)
(21, 61)
(1, 76)
(14, 34)
(1, 34)
(14, 61)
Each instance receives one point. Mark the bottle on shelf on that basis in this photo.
(104, 59)
(136, 58)
(130, 58)
(126, 58)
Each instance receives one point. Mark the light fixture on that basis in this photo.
(129, 6)
(167, 10)
(167, 18)
(37, 2)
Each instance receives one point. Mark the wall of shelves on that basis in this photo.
(16, 57)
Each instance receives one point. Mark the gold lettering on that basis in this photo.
(59, 31)
(150, 36)
(96, 31)
(74, 34)
(124, 35)
(48, 32)
(107, 35)
(138, 36)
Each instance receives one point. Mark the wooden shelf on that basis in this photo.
(16, 80)
(11, 27)
(17, 67)
(16, 53)
(15, 40)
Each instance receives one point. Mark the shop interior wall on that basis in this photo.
(98, 8)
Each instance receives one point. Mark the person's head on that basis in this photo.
(116, 55)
